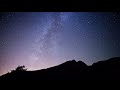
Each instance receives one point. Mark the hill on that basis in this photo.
(71, 70)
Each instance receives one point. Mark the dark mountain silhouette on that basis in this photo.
(70, 70)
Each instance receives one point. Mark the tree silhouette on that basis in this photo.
(21, 68)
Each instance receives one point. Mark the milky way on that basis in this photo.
(44, 39)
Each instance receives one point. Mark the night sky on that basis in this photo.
(43, 39)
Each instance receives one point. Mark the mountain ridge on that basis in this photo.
(71, 70)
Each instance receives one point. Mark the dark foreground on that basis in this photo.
(107, 70)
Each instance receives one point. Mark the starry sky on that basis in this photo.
(43, 39)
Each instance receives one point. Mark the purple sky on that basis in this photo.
(44, 39)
